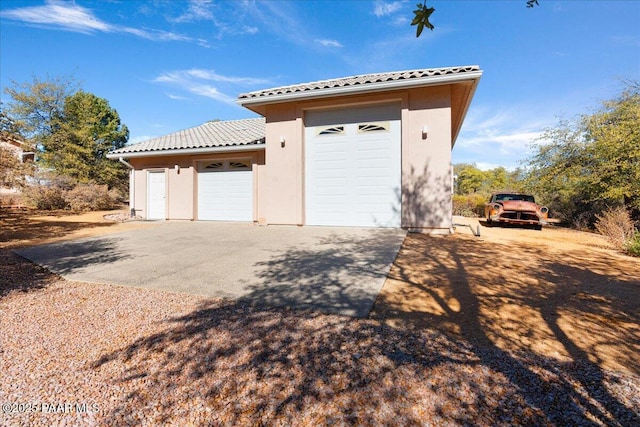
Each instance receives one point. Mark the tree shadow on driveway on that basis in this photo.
(324, 269)
(342, 273)
(74, 256)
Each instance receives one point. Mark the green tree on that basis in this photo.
(613, 150)
(73, 130)
(82, 134)
(36, 103)
(470, 179)
(496, 179)
(586, 165)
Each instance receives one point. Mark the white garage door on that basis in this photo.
(225, 191)
(156, 195)
(353, 166)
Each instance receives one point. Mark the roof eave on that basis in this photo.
(361, 88)
(467, 104)
(187, 151)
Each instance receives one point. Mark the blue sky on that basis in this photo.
(170, 65)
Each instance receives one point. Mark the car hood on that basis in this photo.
(519, 205)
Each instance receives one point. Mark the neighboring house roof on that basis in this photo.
(209, 137)
(22, 149)
(362, 83)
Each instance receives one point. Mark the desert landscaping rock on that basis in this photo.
(141, 357)
(552, 343)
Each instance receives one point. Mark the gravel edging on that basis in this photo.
(109, 355)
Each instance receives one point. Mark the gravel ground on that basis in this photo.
(83, 354)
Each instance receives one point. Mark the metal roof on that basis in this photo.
(365, 82)
(211, 136)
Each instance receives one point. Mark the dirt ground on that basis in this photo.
(559, 293)
(26, 227)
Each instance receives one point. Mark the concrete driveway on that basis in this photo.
(333, 270)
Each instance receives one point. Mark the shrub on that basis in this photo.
(617, 227)
(46, 197)
(90, 197)
(63, 194)
(633, 246)
(469, 205)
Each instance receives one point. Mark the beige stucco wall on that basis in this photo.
(283, 202)
(180, 186)
(426, 163)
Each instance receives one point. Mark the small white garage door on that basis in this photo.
(353, 170)
(225, 191)
(156, 195)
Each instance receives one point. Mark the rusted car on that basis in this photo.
(515, 208)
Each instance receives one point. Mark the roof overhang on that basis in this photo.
(252, 103)
(187, 151)
(459, 111)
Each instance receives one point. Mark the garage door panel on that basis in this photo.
(225, 195)
(331, 165)
(370, 179)
(374, 151)
(337, 190)
(382, 155)
(374, 167)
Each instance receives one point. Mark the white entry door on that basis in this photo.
(353, 166)
(156, 195)
(225, 191)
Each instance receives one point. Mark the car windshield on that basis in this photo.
(522, 197)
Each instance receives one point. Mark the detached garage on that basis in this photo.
(368, 151)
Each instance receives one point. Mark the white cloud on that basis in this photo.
(206, 83)
(202, 74)
(505, 141)
(329, 43)
(72, 17)
(283, 20)
(400, 20)
(250, 30)
(384, 8)
(489, 166)
(497, 138)
(140, 138)
(176, 97)
(158, 35)
(55, 13)
(210, 92)
(198, 10)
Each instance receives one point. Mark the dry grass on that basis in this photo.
(25, 227)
